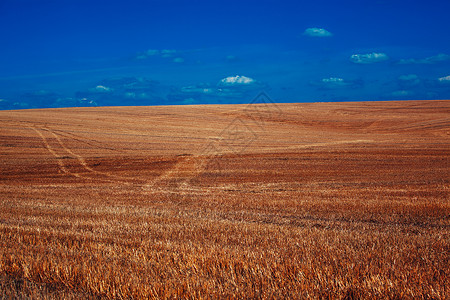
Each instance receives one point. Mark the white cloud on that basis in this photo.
(168, 53)
(102, 88)
(368, 58)
(87, 101)
(178, 60)
(438, 58)
(445, 79)
(429, 60)
(211, 91)
(231, 58)
(333, 82)
(207, 91)
(134, 95)
(152, 52)
(409, 80)
(237, 80)
(188, 101)
(432, 95)
(230, 87)
(197, 89)
(130, 95)
(141, 56)
(401, 93)
(317, 32)
(408, 77)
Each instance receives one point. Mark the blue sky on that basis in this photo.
(86, 53)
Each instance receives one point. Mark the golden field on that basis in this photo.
(321, 200)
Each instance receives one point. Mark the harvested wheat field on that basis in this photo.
(322, 200)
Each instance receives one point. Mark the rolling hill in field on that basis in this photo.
(341, 200)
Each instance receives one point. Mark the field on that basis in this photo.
(321, 200)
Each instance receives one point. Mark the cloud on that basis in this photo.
(333, 82)
(368, 58)
(428, 60)
(231, 89)
(102, 89)
(189, 101)
(445, 79)
(165, 53)
(237, 80)
(43, 99)
(134, 95)
(198, 89)
(317, 32)
(410, 77)
(402, 93)
(205, 93)
(168, 51)
(87, 102)
(409, 80)
(152, 52)
(439, 85)
(178, 60)
(231, 58)
(202, 90)
(141, 56)
(5, 104)
(125, 91)
(336, 82)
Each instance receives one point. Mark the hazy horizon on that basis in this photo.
(107, 53)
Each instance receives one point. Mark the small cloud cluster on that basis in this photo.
(125, 91)
(178, 60)
(43, 99)
(408, 81)
(402, 94)
(409, 77)
(231, 58)
(231, 89)
(237, 80)
(198, 89)
(428, 60)
(165, 53)
(317, 32)
(368, 58)
(411, 86)
(445, 79)
(336, 82)
(6, 104)
(101, 89)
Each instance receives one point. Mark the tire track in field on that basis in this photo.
(58, 157)
(61, 164)
(184, 169)
(306, 146)
(84, 164)
(171, 173)
(85, 140)
(187, 168)
(80, 159)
